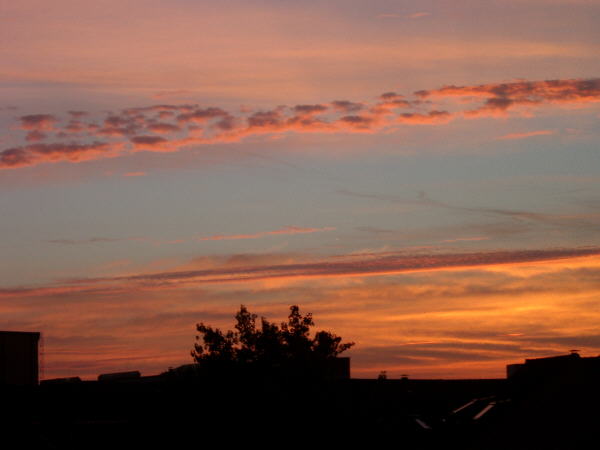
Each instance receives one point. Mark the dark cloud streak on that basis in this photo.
(377, 265)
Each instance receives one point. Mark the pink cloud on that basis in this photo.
(170, 128)
(38, 122)
(431, 118)
(149, 142)
(526, 135)
(418, 15)
(38, 153)
(358, 122)
(75, 126)
(309, 110)
(122, 125)
(500, 97)
(134, 174)
(345, 106)
(388, 102)
(202, 115)
(165, 128)
(35, 136)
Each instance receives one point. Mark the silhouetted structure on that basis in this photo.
(120, 376)
(327, 369)
(548, 403)
(19, 358)
(337, 368)
(571, 365)
(63, 380)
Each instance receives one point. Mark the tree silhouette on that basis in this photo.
(267, 343)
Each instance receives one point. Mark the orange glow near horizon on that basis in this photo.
(429, 324)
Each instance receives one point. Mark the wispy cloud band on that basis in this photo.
(353, 265)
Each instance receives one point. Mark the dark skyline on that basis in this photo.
(423, 177)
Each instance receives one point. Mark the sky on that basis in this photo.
(424, 177)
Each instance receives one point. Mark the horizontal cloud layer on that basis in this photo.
(359, 265)
(168, 128)
(356, 266)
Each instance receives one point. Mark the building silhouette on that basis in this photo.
(19, 358)
(564, 366)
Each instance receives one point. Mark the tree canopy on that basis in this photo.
(266, 342)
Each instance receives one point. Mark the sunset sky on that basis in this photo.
(424, 177)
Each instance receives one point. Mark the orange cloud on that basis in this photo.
(163, 128)
(500, 97)
(202, 115)
(526, 134)
(431, 118)
(309, 110)
(169, 128)
(418, 15)
(150, 142)
(364, 266)
(134, 174)
(346, 106)
(36, 153)
(275, 269)
(38, 122)
(122, 125)
(357, 122)
(35, 136)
